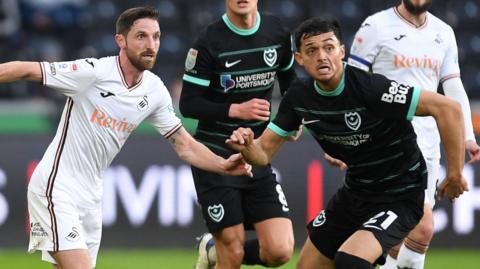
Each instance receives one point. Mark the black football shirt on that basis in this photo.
(364, 122)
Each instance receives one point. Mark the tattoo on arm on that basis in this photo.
(173, 137)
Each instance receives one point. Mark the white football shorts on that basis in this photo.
(58, 224)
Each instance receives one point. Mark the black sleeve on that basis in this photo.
(285, 79)
(286, 74)
(390, 99)
(194, 104)
(287, 120)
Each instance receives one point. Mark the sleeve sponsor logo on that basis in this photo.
(63, 68)
(191, 59)
(53, 70)
(397, 93)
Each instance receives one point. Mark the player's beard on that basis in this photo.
(137, 59)
(417, 9)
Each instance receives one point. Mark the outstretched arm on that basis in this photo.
(258, 151)
(453, 88)
(195, 153)
(13, 71)
(449, 118)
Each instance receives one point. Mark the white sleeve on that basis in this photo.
(453, 88)
(365, 46)
(69, 78)
(164, 118)
(450, 67)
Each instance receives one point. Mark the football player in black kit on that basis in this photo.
(229, 77)
(362, 119)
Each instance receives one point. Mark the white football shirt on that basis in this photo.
(421, 56)
(100, 114)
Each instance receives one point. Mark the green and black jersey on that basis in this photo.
(364, 122)
(227, 65)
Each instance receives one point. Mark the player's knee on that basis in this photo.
(423, 232)
(233, 251)
(344, 260)
(277, 255)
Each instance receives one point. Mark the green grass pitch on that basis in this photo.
(185, 258)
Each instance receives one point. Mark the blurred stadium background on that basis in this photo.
(149, 203)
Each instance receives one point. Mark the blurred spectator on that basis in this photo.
(71, 29)
(9, 18)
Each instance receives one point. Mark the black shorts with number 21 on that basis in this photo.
(390, 222)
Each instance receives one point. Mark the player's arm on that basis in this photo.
(335, 162)
(258, 151)
(285, 78)
(286, 73)
(449, 118)
(13, 71)
(195, 104)
(196, 154)
(454, 89)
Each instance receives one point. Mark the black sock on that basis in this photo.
(346, 261)
(252, 253)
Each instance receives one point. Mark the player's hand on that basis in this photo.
(235, 165)
(294, 138)
(452, 188)
(254, 109)
(240, 139)
(473, 150)
(335, 162)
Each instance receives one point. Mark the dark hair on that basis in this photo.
(129, 16)
(316, 26)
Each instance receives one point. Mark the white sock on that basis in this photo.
(410, 259)
(390, 263)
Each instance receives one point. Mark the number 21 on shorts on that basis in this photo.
(381, 221)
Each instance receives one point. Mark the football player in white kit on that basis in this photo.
(107, 99)
(408, 44)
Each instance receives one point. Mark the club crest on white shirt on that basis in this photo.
(143, 104)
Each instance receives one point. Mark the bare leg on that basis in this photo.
(229, 247)
(72, 259)
(275, 237)
(311, 258)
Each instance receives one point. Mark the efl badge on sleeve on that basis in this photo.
(191, 59)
